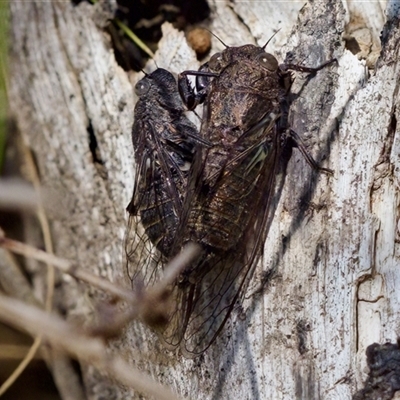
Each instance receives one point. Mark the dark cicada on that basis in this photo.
(163, 141)
(227, 207)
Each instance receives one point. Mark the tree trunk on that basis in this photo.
(333, 245)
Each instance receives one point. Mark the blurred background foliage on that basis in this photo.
(4, 26)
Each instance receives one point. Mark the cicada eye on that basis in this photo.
(215, 62)
(142, 87)
(268, 61)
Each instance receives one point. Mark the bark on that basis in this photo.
(332, 251)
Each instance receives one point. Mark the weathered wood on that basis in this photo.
(333, 245)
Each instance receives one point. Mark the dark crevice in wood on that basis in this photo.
(145, 19)
(93, 145)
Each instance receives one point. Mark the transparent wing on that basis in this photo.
(143, 260)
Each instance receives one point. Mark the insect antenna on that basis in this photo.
(266, 44)
(155, 62)
(142, 70)
(216, 37)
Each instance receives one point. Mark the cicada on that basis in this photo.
(227, 209)
(164, 142)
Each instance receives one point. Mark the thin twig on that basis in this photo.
(66, 267)
(173, 269)
(80, 346)
(178, 264)
(140, 304)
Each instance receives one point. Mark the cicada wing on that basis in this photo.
(213, 298)
(202, 305)
(173, 332)
(218, 281)
(258, 146)
(265, 193)
(222, 286)
(143, 260)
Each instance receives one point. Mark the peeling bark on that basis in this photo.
(333, 246)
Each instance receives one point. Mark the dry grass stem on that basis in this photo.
(29, 356)
(65, 266)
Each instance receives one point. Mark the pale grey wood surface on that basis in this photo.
(334, 241)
